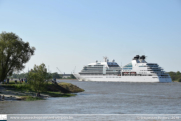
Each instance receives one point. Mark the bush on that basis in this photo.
(38, 78)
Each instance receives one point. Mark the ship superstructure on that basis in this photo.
(136, 71)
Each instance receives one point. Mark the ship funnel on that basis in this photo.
(143, 57)
(136, 57)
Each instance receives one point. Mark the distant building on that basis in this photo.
(66, 76)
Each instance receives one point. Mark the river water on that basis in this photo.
(106, 98)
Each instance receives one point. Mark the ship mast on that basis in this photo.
(105, 58)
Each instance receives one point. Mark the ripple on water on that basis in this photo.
(106, 98)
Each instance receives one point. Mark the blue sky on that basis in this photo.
(69, 33)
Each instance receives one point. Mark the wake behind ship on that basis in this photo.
(136, 71)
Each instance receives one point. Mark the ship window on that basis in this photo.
(127, 68)
(128, 65)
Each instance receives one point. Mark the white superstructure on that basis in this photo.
(136, 71)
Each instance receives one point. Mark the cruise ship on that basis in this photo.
(136, 71)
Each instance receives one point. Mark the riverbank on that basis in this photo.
(21, 91)
(66, 79)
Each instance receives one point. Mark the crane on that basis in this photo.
(60, 71)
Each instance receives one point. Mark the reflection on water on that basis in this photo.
(106, 98)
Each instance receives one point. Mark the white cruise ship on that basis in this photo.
(136, 71)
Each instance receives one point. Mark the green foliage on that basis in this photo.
(25, 75)
(23, 88)
(176, 76)
(38, 78)
(59, 94)
(56, 75)
(17, 76)
(72, 76)
(17, 87)
(14, 53)
(30, 98)
(70, 87)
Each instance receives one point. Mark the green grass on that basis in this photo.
(17, 87)
(23, 88)
(70, 87)
(176, 80)
(30, 98)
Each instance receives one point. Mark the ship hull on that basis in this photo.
(115, 78)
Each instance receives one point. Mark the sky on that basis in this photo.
(69, 34)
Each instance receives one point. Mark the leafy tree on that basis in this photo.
(176, 76)
(178, 72)
(72, 76)
(56, 75)
(38, 78)
(15, 76)
(14, 53)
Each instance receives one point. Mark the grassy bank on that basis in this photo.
(30, 98)
(22, 91)
(58, 94)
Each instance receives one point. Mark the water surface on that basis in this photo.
(106, 98)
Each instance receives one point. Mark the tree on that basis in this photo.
(176, 76)
(14, 53)
(72, 76)
(38, 78)
(56, 75)
(178, 72)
